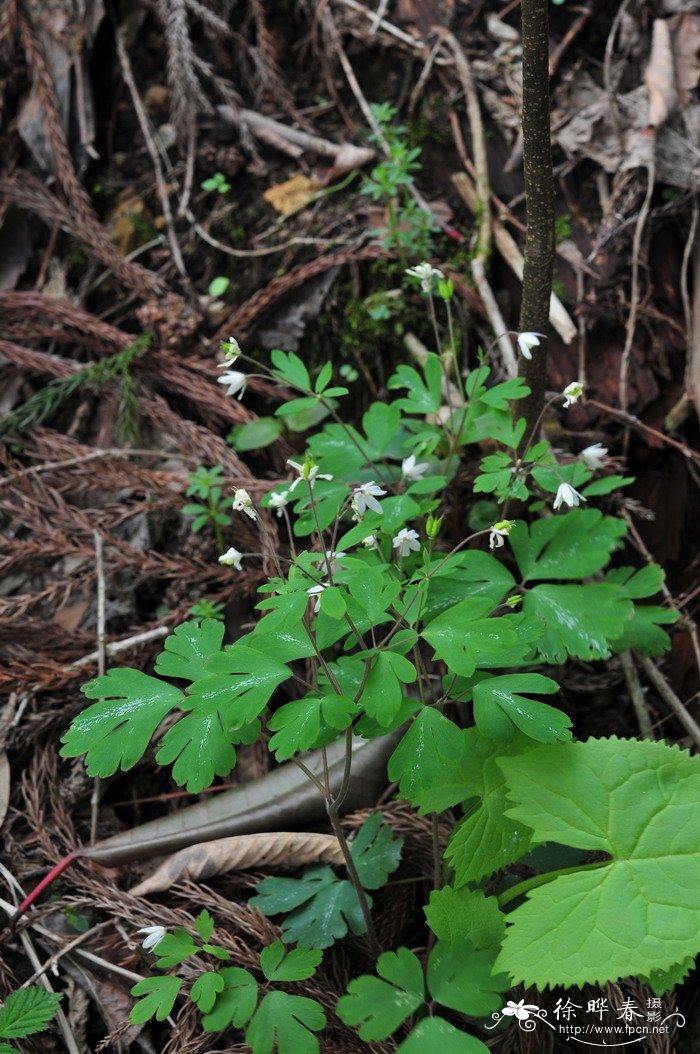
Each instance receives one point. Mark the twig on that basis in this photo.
(80, 939)
(669, 696)
(51, 466)
(101, 665)
(634, 422)
(482, 251)
(152, 150)
(117, 646)
(634, 285)
(382, 23)
(629, 669)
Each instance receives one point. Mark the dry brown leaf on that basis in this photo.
(292, 195)
(659, 76)
(277, 849)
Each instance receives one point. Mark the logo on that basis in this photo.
(600, 1024)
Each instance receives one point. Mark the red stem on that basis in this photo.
(46, 881)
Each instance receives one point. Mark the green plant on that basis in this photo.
(24, 1013)
(207, 609)
(409, 228)
(217, 182)
(49, 399)
(218, 286)
(379, 625)
(207, 484)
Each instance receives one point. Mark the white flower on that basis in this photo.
(154, 935)
(231, 558)
(279, 501)
(527, 341)
(231, 349)
(370, 542)
(593, 456)
(316, 591)
(521, 1009)
(365, 497)
(499, 531)
(307, 472)
(426, 273)
(236, 382)
(406, 541)
(572, 393)
(242, 502)
(411, 471)
(566, 495)
(332, 560)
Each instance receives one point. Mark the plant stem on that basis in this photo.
(539, 197)
(375, 947)
(542, 880)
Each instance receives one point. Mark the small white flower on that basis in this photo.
(411, 471)
(231, 349)
(572, 393)
(236, 382)
(365, 497)
(593, 456)
(499, 531)
(425, 273)
(308, 472)
(315, 591)
(370, 542)
(332, 560)
(279, 501)
(242, 502)
(154, 935)
(566, 495)
(527, 341)
(231, 558)
(406, 541)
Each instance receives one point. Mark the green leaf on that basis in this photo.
(374, 591)
(465, 914)
(205, 990)
(236, 1001)
(376, 852)
(465, 575)
(297, 726)
(662, 981)
(580, 621)
(462, 637)
(204, 925)
(324, 377)
(498, 709)
(333, 602)
(639, 802)
(290, 369)
(255, 435)
(174, 948)
(382, 693)
(424, 397)
(160, 994)
(643, 631)
(436, 1034)
(218, 286)
(277, 964)
(320, 906)
(115, 732)
(200, 748)
(381, 423)
(240, 682)
(285, 1023)
(606, 485)
(460, 977)
(294, 406)
(378, 1007)
(487, 839)
(338, 711)
(574, 545)
(429, 763)
(26, 1011)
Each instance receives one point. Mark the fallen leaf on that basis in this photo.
(292, 195)
(685, 38)
(659, 76)
(277, 849)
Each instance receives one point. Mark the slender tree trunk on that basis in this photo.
(539, 195)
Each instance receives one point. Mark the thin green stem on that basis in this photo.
(542, 880)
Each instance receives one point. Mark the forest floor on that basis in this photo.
(176, 173)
